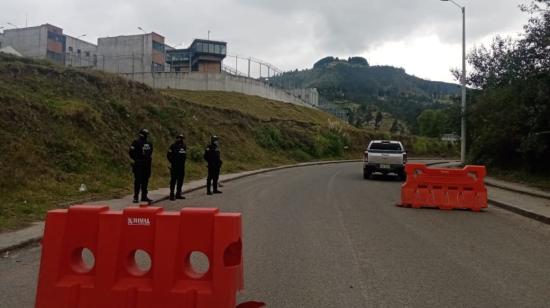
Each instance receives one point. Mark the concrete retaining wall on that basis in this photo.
(218, 82)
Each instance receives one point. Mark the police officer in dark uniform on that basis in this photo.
(212, 157)
(141, 152)
(177, 154)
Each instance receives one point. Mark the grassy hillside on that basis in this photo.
(60, 128)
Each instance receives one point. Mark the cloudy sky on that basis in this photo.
(422, 36)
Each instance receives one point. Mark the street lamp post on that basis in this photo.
(463, 82)
(142, 52)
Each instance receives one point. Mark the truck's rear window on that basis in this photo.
(390, 147)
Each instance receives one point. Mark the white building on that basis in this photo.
(48, 42)
(125, 54)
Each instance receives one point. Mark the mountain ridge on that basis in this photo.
(387, 88)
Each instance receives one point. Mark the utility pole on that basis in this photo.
(463, 84)
(248, 67)
(463, 122)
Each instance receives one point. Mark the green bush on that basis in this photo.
(269, 137)
(195, 153)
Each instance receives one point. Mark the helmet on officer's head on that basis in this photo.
(180, 137)
(144, 132)
(214, 138)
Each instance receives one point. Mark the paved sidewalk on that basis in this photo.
(524, 189)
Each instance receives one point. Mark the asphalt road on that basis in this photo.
(322, 236)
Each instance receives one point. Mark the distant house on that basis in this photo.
(453, 138)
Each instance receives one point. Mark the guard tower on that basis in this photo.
(202, 56)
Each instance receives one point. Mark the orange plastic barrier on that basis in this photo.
(445, 189)
(115, 280)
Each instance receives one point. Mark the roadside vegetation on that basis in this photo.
(63, 127)
(509, 116)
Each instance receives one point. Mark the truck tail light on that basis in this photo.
(366, 158)
(404, 158)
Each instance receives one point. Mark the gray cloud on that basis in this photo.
(288, 33)
(355, 25)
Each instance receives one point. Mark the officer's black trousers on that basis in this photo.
(141, 181)
(177, 175)
(213, 176)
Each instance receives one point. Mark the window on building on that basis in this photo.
(70, 49)
(78, 51)
(217, 49)
(158, 46)
(158, 67)
(199, 47)
(56, 37)
(87, 53)
(223, 50)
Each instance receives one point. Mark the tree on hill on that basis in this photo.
(358, 61)
(509, 125)
(323, 63)
(394, 127)
(432, 123)
(366, 111)
(378, 120)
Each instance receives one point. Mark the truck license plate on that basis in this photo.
(385, 166)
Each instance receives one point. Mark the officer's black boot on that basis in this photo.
(145, 198)
(179, 188)
(136, 191)
(172, 187)
(215, 184)
(144, 190)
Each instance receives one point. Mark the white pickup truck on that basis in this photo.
(385, 156)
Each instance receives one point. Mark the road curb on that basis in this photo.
(22, 244)
(520, 211)
(521, 191)
(35, 239)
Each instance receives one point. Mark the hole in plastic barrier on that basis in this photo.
(232, 254)
(197, 264)
(139, 262)
(82, 260)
